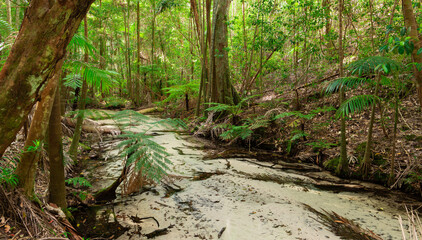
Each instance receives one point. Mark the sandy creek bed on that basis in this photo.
(239, 202)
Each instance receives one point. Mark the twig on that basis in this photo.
(16, 235)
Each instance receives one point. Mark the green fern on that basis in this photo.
(356, 104)
(78, 181)
(145, 155)
(298, 135)
(296, 114)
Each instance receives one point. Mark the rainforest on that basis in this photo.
(210, 119)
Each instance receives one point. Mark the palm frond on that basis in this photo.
(101, 79)
(73, 81)
(349, 82)
(80, 42)
(356, 104)
(373, 64)
(5, 28)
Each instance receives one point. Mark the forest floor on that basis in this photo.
(319, 143)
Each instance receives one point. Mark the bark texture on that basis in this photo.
(46, 30)
(56, 186)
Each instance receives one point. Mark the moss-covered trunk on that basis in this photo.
(46, 30)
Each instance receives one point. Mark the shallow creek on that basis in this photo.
(246, 199)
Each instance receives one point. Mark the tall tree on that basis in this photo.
(343, 165)
(73, 150)
(56, 185)
(410, 22)
(221, 88)
(46, 30)
(9, 12)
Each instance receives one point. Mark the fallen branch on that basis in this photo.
(159, 232)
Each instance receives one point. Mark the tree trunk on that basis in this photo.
(73, 150)
(138, 56)
(410, 22)
(366, 162)
(17, 22)
(222, 90)
(56, 186)
(46, 30)
(27, 166)
(9, 12)
(343, 165)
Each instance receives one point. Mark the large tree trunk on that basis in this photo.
(45, 32)
(410, 22)
(221, 88)
(28, 162)
(56, 186)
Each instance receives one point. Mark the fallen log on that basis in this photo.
(92, 126)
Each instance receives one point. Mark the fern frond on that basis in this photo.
(295, 137)
(356, 104)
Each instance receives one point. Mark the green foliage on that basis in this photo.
(115, 102)
(176, 92)
(5, 29)
(34, 148)
(349, 82)
(233, 110)
(101, 79)
(78, 182)
(73, 81)
(7, 177)
(320, 145)
(356, 104)
(297, 135)
(146, 155)
(232, 132)
(80, 42)
(332, 164)
(371, 65)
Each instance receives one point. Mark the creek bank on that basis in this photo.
(242, 198)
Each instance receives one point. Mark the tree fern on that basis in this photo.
(356, 104)
(145, 154)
